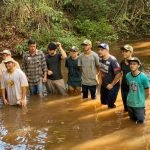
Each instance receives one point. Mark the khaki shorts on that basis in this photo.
(56, 87)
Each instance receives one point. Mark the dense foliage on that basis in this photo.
(71, 21)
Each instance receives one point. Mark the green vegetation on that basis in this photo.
(70, 21)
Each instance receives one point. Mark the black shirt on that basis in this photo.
(54, 64)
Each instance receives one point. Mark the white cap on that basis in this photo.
(6, 51)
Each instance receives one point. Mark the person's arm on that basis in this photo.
(116, 79)
(44, 67)
(80, 62)
(4, 97)
(45, 76)
(3, 90)
(23, 99)
(147, 93)
(62, 51)
(117, 72)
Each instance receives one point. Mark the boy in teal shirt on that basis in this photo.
(138, 91)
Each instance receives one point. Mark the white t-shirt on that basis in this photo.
(13, 83)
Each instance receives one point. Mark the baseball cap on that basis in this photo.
(6, 51)
(52, 46)
(135, 59)
(104, 46)
(9, 60)
(86, 42)
(127, 47)
(74, 48)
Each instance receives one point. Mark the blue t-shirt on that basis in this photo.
(109, 68)
(74, 73)
(137, 84)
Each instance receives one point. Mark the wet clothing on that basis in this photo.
(13, 83)
(54, 64)
(92, 89)
(109, 68)
(34, 67)
(74, 73)
(108, 97)
(137, 114)
(56, 87)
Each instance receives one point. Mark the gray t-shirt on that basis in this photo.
(88, 64)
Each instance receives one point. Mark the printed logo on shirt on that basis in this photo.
(107, 63)
(10, 83)
(117, 69)
(134, 86)
(104, 67)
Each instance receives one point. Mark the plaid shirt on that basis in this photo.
(34, 66)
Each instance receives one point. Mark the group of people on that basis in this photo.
(85, 72)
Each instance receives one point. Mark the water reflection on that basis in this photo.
(68, 123)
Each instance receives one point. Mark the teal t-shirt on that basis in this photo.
(137, 84)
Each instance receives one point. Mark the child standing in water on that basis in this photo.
(138, 91)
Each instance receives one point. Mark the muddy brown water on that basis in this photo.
(69, 123)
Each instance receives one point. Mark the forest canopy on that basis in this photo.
(70, 21)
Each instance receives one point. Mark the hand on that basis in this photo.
(5, 101)
(50, 72)
(58, 44)
(109, 86)
(45, 79)
(23, 102)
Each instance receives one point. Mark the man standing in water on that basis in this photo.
(110, 72)
(55, 83)
(88, 61)
(34, 66)
(74, 73)
(138, 91)
(127, 51)
(14, 83)
(5, 55)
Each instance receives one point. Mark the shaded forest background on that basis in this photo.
(71, 21)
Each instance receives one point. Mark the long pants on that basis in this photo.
(109, 96)
(92, 89)
(124, 94)
(136, 113)
(56, 87)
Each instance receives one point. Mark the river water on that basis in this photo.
(68, 123)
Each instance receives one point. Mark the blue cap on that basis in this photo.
(104, 46)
